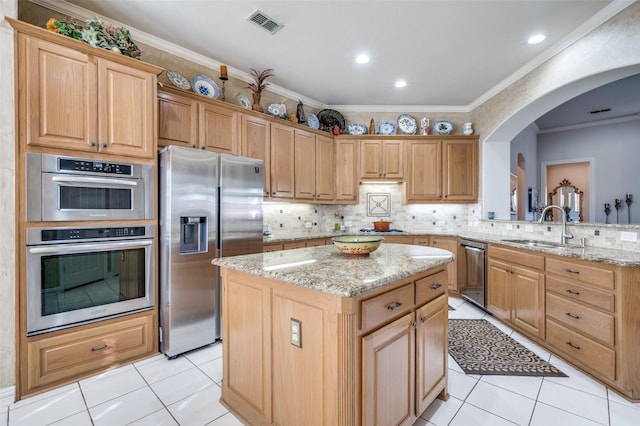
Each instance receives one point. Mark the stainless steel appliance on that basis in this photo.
(210, 206)
(80, 275)
(70, 188)
(472, 271)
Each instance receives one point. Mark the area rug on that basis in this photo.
(479, 347)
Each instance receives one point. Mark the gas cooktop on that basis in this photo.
(375, 230)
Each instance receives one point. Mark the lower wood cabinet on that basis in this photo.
(61, 357)
(449, 244)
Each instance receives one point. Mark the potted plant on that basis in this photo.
(259, 85)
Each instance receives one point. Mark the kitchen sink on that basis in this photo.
(534, 243)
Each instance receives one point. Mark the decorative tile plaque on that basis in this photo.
(378, 205)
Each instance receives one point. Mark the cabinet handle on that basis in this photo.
(414, 324)
(423, 319)
(104, 145)
(446, 196)
(92, 143)
(571, 271)
(101, 348)
(393, 306)
(573, 346)
(577, 293)
(574, 316)
(193, 146)
(435, 286)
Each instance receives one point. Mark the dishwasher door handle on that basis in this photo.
(473, 248)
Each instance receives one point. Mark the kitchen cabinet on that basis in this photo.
(80, 98)
(255, 142)
(314, 167)
(187, 121)
(347, 172)
(441, 170)
(381, 159)
(516, 288)
(282, 161)
(449, 244)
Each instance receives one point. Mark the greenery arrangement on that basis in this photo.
(96, 34)
(260, 78)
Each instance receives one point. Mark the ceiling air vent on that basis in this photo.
(598, 111)
(264, 21)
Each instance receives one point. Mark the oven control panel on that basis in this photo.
(69, 164)
(72, 234)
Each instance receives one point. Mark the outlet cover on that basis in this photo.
(629, 236)
(348, 224)
(308, 225)
(296, 332)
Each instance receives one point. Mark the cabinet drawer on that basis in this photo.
(294, 245)
(575, 291)
(269, 247)
(580, 272)
(386, 306)
(592, 355)
(592, 323)
(421, 241)
(524, 258)
(428, 288)
(73, 354)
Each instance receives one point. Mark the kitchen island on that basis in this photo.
(312, 336)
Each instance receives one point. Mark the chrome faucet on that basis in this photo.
(565, 235)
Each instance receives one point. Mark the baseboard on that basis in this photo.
(7, 396)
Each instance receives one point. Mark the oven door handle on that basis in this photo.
(94, 180)
(83, 248)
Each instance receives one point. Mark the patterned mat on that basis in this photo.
(481, 348)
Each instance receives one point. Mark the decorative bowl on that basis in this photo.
(357, 245)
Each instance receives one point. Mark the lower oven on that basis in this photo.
(82, 275)
(473, 270)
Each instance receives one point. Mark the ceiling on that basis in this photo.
(453, 54)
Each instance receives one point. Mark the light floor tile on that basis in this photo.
(4, 416)
(453, 365)
(181, 385)
(441, 412)
(577, 379)
(470, 415)
(623, 415)
(460, 385)
(546, 415)
(501, 402)
(198, 409)
(616, 397)
(159, 418)
(456, 302)
(35, 398)
(148, 360)
(126, 409)
(213, 369)
(466, 311)
(81, 419)
(111, 385)
(163, 367)
(226, 420)
(523, 385)
(574, 401)
(48, 409)
(205, 354)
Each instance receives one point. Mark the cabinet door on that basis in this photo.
(347, 173)
(255, 140)
(370, 159)
(450, 244)
(431, 351)
(218, 129)
(177, 121)
(528, 310)
(424, 171)
(460, 170)
(392, 160)
(59, 96)
(325, 168)
(305, 165)
(499, 289)
(388, 368)
(126, 110)
(282, 161)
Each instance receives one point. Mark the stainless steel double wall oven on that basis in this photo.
(78, 272)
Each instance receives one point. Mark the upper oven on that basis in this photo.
(61, 188)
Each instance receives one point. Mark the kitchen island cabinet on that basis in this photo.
(315, 337)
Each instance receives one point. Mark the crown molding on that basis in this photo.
(400, 108)
(591, 124)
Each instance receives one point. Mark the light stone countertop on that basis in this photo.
(326, 269)
(625, 258)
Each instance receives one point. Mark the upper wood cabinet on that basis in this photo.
(255, 142)
(381, 159)
(347, 173)
(442, 170)
(314, 166)
(187, 121)
(74, 100)
(282, 161)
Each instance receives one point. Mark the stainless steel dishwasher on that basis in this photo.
(472, 282)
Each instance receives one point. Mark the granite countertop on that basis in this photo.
(626, 258)
(326, 269)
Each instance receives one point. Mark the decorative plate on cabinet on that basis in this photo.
(443, 127)
(244, 101)
(312, 121)
(178, 80)
(357, 129)
(204, 86)
(387, 128)
(407, 124)
(279, 110)
(329, 118)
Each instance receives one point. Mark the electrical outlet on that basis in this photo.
(629, 236)
(308, 225)
(348, 224)
(296, 332)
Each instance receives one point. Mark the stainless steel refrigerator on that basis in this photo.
(210, 206)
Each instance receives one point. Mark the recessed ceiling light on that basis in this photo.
(362, 59)
(536, 39)
(401, 83)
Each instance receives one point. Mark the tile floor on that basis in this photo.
(186, 391)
